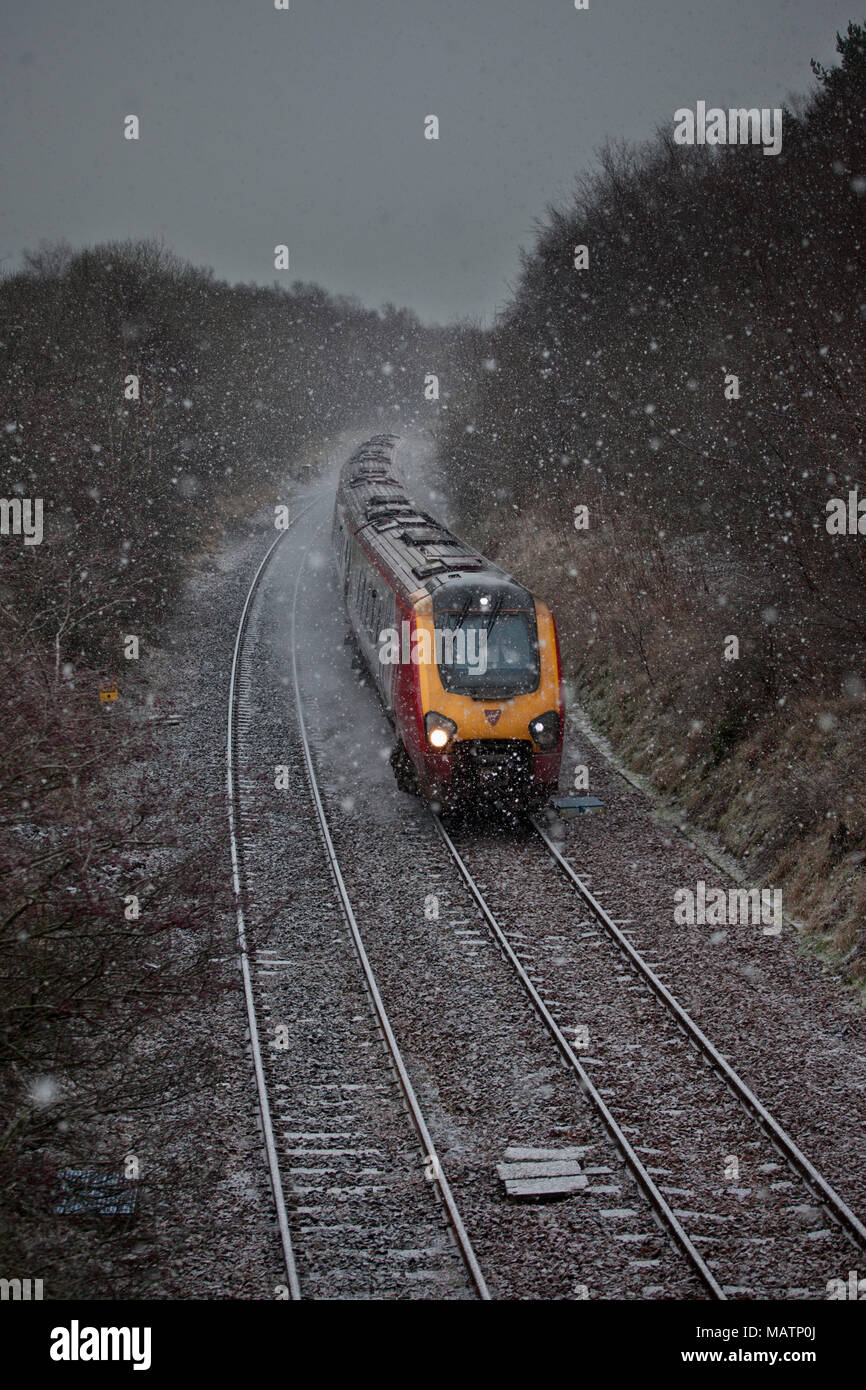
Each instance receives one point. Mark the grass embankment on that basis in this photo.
(775, 777)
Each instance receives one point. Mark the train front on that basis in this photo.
(491, 702)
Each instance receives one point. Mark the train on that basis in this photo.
(465, 660)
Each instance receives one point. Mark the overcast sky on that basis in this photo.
(306, 127)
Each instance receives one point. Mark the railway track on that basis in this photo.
(780, 1247)
(658, 1202)
(805, 1169)
(352, 1167)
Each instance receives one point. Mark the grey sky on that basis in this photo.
(306, 126)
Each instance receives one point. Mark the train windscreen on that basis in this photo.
(488, 655)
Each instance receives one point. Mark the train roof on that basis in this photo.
(419, 551)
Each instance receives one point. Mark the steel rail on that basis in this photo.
(431, 1158)
(255, 1045)
(657, 1201)
(771, 1127)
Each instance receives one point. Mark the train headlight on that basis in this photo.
(439, 730)
(545, 729)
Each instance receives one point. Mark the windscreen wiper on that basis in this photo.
(494, 612)
(463, 612)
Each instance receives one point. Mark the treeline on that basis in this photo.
(700, 388)
(139, 392)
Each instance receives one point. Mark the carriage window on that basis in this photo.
(367, 603)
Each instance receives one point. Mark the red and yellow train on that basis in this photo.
(465, 660)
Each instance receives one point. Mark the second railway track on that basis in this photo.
(772, 1226)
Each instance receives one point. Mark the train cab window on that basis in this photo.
(490, 644)
(511, 657)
